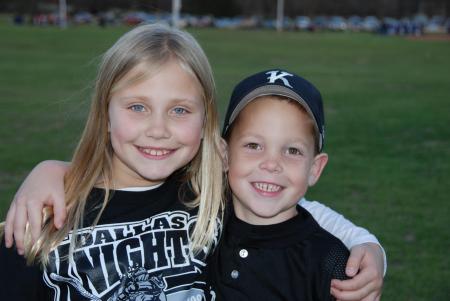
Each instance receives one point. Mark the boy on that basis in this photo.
(272, 248)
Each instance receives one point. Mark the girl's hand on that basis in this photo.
(44, 186)
(366, 285)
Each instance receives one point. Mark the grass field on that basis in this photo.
(387, 103)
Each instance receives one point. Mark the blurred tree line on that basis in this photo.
(264, 8)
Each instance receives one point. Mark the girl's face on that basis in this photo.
(156, 126)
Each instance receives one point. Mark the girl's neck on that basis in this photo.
(129, 186)
(140, 188)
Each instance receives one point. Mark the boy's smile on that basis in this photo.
(271, 160)
(266, 188)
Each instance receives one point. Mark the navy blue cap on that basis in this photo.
(282, 83)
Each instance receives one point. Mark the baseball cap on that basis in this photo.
(281, 83)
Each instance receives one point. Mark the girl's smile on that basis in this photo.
(155, 153)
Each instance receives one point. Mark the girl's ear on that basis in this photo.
(224, 153)
(317, 167)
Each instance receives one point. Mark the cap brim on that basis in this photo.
(269, 90)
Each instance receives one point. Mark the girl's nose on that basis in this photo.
(157, 127)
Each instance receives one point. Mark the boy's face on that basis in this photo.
(271, 160)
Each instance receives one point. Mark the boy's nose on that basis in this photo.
(157, 127)
(271, 164)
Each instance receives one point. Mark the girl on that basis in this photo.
(135, 184)
(138, 206)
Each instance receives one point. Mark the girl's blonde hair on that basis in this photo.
(150, 46)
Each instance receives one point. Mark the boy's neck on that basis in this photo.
(251, 217)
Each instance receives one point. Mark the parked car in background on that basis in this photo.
(227, 23)
(303, 23)
(107, 18)
(288, 23)
(355, 23)
(371, 24)
(320, 22)
(389, 26)
(83, 17)
(420, 19)
(337, 23)
(134, 18)
(436, 24)
(199, 21)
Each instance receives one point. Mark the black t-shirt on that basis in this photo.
(139, 250)
(292, 260)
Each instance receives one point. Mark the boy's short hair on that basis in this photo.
(280, 83)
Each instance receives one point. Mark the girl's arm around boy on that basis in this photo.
(367, 262)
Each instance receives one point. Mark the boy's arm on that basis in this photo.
(44, 186)
(367, 261)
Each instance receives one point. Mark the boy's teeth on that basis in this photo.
(267, 187)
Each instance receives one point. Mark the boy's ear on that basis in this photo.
(224, 153)
(317, 167)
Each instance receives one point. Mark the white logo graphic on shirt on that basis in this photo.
(279, 75)
(138, 285)
(143, 260)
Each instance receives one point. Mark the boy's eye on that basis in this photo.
(180, 111)
(252, 145)
(294, 151)
(137, 108)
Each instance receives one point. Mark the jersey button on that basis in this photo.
(243, 253)
(234, 274)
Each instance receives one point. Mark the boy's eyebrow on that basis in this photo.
(246, 135)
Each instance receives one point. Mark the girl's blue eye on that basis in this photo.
(137, 108)
(253, 145)
(179, 111)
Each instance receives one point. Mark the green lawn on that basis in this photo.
(387, 103)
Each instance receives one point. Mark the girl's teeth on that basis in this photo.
(155, 152)
(267, 187)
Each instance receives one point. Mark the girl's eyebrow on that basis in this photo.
(191, 100)
(145, 98)
(128, 97)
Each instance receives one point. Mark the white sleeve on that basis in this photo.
(335, 223)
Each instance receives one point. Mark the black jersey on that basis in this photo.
(138, 251)
(292, 260)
